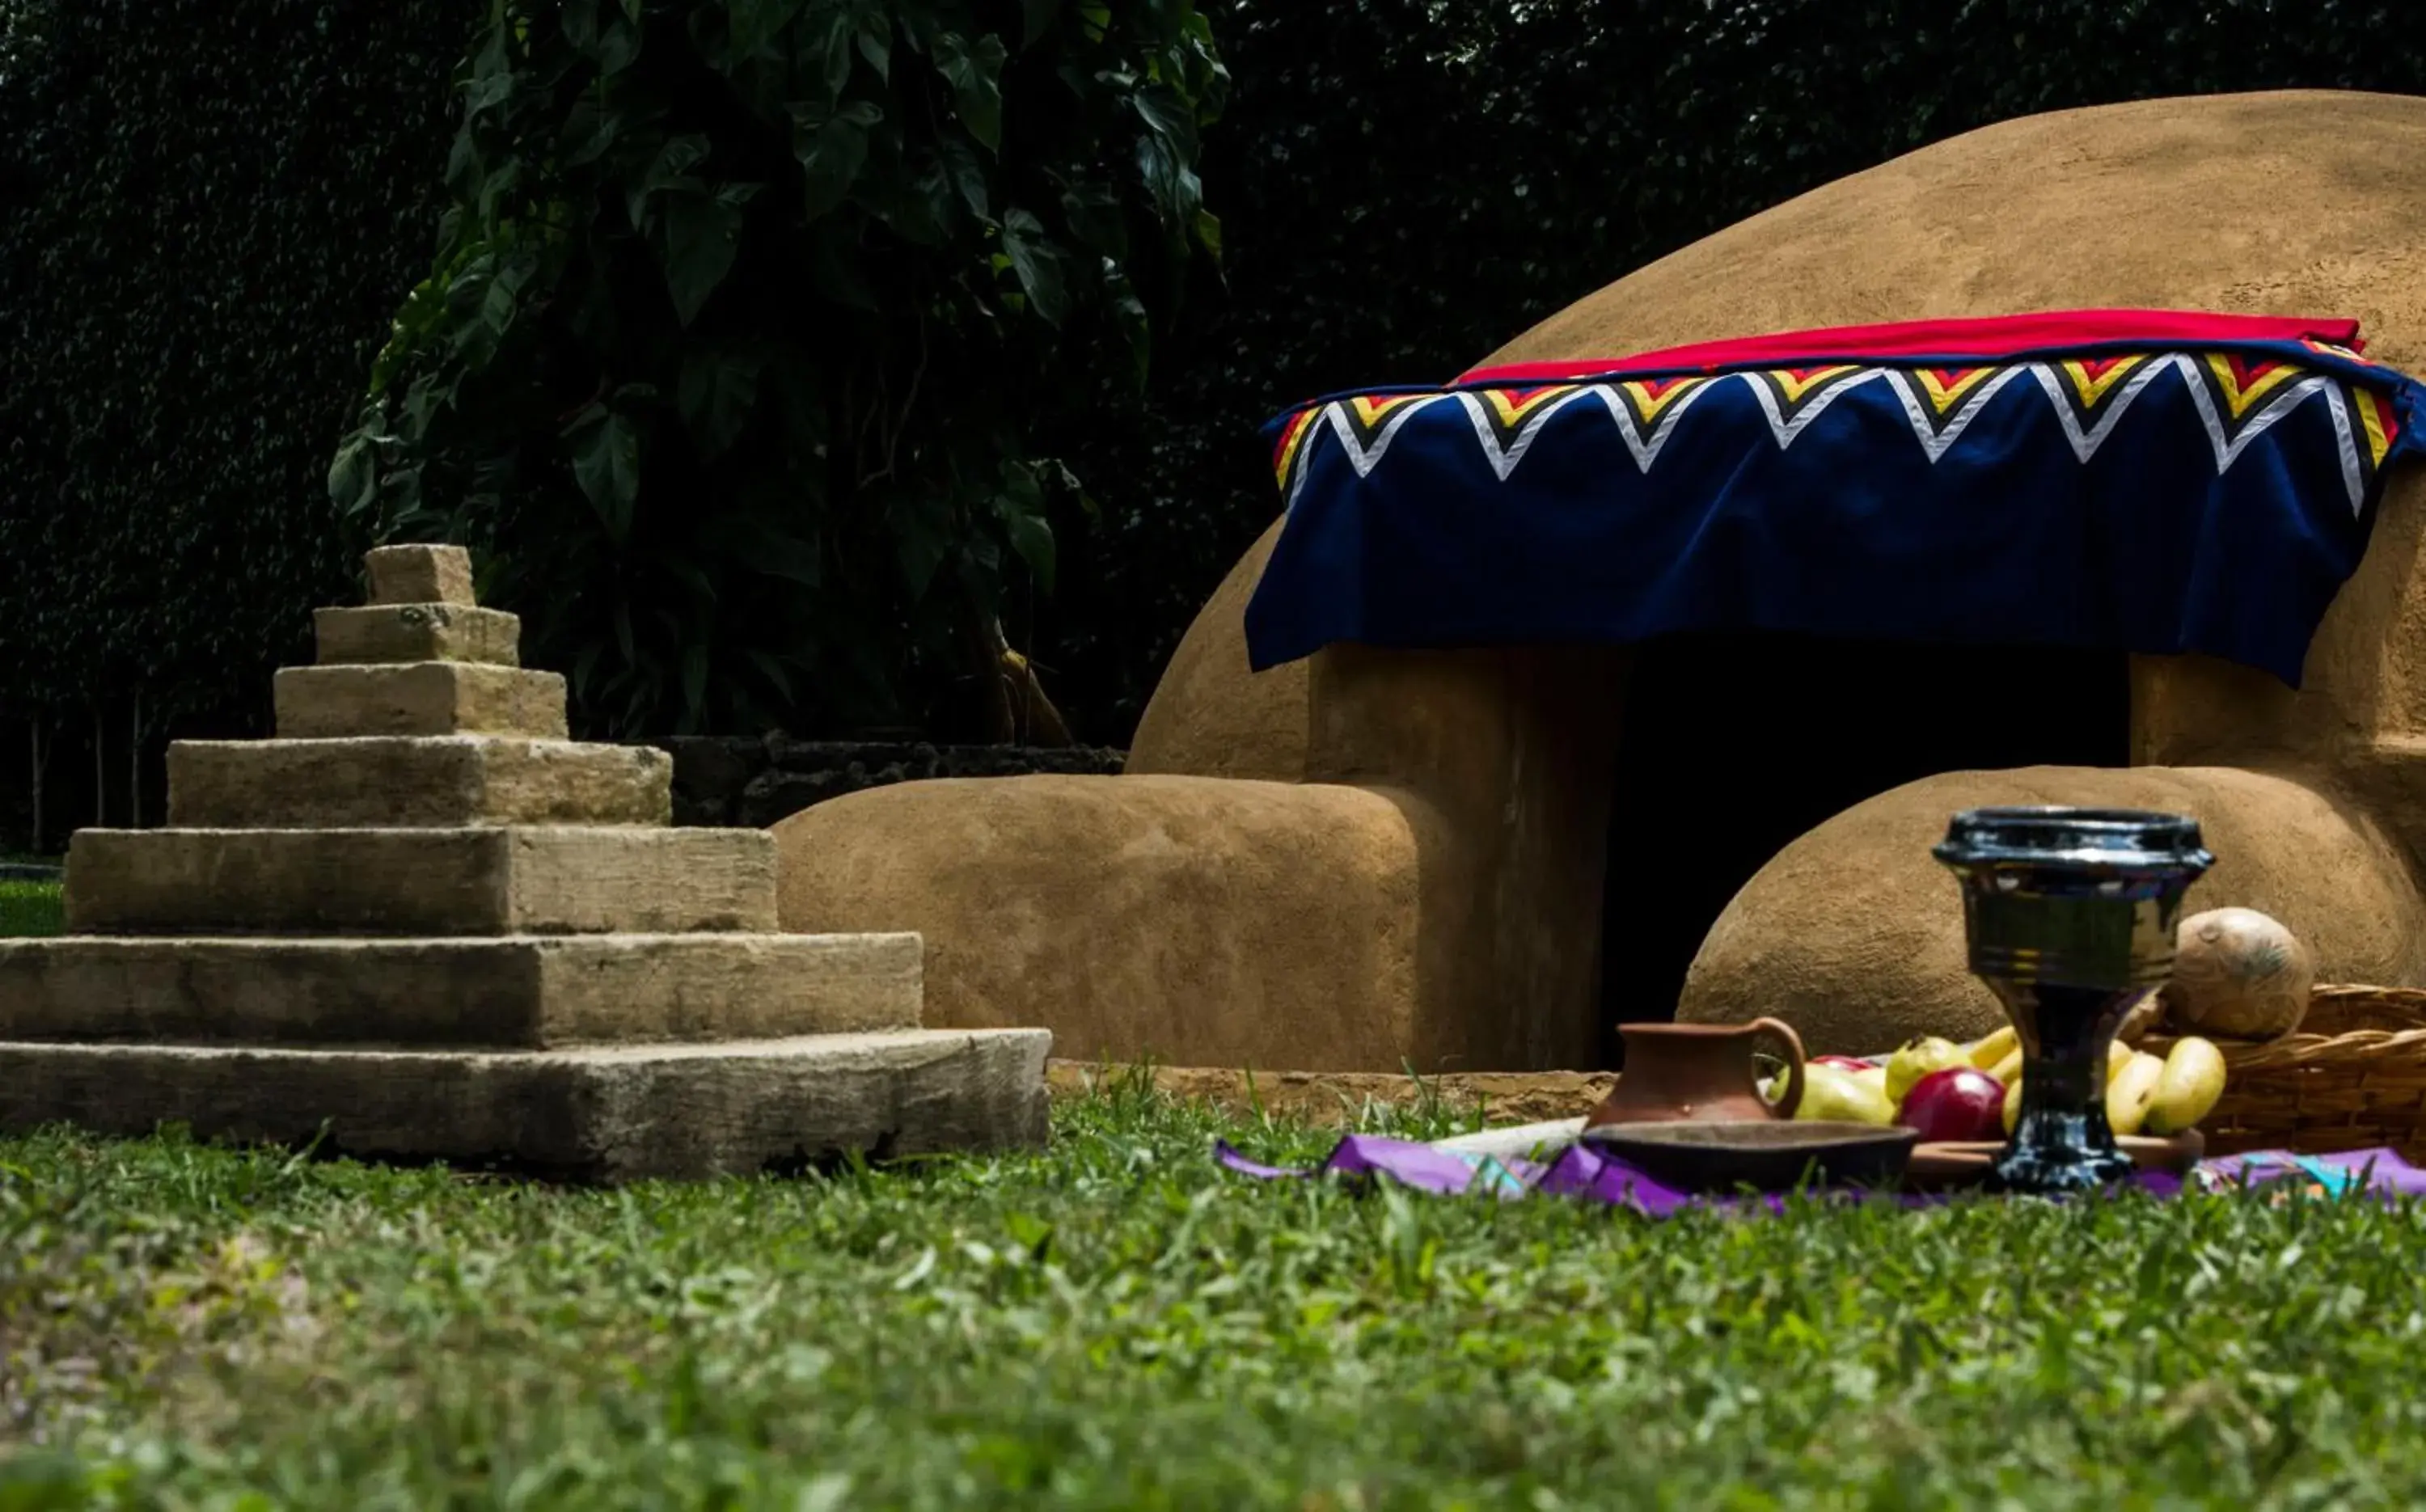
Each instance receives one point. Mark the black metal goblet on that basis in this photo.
(2070, 915)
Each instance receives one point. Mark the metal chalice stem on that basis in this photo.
(2070, 915)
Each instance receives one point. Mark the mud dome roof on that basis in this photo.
(2294, 202)
(2278, 203)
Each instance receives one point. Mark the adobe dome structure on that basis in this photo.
(1377, 859)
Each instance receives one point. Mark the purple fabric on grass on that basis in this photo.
(1579, 1170)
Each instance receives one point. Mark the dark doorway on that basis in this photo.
(1735, 745)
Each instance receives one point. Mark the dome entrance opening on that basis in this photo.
(1733, 745)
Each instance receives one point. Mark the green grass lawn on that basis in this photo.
(1118, 1323)
(28, 909)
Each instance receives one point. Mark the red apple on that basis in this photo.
(1850, 1063)
(1958, 1104)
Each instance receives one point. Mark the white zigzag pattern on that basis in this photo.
(1647, 449)
(1785, 429)
(1504, 463)
(2085, 444)
(1364, 457)
(1917, 408)
(2346, 433)
(2228, 452)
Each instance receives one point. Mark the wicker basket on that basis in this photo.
(2352, 1077)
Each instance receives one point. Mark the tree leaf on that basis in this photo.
(605, 449)
(1034, 259)
(578, 21)
(669, 169)
(1208, 233)
(589, 130)
(831, 151)
(1176, 192)
(974, 73)
(966, 172)
(606, 35)
(753, 26)
(771, 668)
(1169, 115)
(876, 44)
(833, 36)
(353, 477)
(919, 211)
(1093, 211)
(695, 236)
(1039, 19)
(718, 392)
(762, 546)
(1020, 506)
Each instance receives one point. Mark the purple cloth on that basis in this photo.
(1579, 1170)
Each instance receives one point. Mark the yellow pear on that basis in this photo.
(1918, 1058)
(1834, 1094)
(2129, 1095)
(2189, 1090)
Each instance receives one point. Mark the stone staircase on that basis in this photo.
(421, 924)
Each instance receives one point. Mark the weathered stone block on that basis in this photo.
(420, 574)
(463, 881)
(417, 633)
(388, 780)
(418, 699)
(609, 1113)
(521, 991)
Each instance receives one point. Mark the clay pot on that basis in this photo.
(1701, 1073)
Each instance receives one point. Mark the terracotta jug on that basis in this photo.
(1699, 1071)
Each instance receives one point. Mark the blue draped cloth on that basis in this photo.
(2150, 497)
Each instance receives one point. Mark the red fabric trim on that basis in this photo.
(1989, 339)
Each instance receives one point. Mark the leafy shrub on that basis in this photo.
(744, 314)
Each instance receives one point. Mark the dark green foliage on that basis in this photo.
(210, 205)
(745, 314)
(1117, 1324)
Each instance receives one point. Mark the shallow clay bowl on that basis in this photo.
(1935, 1167)
(1765, 1155)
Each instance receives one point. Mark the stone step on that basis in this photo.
(608, 1114)
(542, 880)
(524, 991)
(380, 782)
(420, 574)
(417, 633)
(418, 699)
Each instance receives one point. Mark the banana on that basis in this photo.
(2129, 1095)
(2009, 1070)
(1987, 1053)
(2190, 1088)
(2012, 1104)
